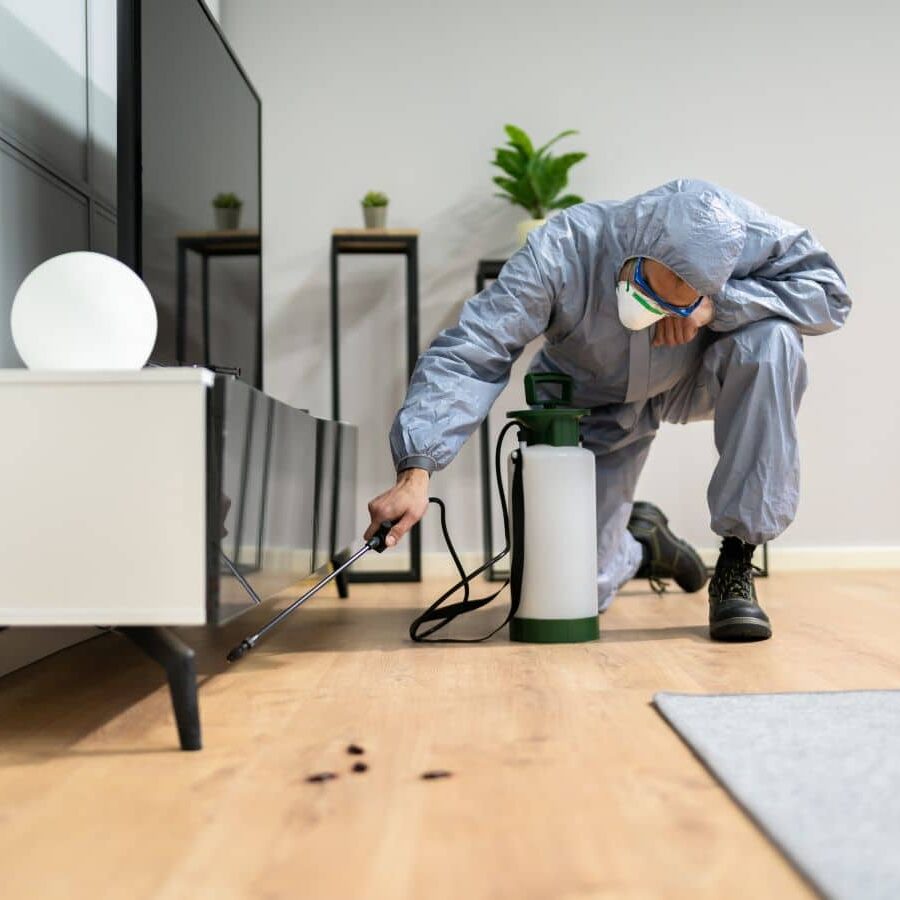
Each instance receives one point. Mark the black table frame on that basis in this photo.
(379, 242)
(208, 245)
(489, 270)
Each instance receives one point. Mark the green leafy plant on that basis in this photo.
(227, 201)
(375, 198)
(535, 179)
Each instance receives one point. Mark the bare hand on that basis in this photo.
(673, 330)
(404, 505)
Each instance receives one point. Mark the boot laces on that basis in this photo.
(735, 578)
(658, 585)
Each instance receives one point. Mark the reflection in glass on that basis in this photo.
(199, 138)
(287, 487)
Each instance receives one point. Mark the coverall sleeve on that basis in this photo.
(457, 379)
(783, 272)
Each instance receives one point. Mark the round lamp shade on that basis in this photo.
(83, 311)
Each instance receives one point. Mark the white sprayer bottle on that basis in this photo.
(554, 522)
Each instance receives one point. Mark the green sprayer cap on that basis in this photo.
(552, 422)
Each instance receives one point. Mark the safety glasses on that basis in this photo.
(641, 284)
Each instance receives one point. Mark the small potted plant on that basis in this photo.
(227, 208)
(375, 205)
(534, 179)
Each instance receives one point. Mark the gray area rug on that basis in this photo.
(819, 773)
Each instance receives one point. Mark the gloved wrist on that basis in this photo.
(416, 461)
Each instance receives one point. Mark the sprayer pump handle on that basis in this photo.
(533, 379)
(378, 540)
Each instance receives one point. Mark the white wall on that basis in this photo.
(793, 105)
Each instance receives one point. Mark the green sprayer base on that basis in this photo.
(554, 631)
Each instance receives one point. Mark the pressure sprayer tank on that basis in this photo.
(557, 524)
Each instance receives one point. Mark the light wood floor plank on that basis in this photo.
(566, 783)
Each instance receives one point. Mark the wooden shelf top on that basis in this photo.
(248, 233)
(375, 232)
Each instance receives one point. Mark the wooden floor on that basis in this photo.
(566, 783)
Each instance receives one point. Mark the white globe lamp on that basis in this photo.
(83, 311)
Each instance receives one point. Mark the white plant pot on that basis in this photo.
(525, 228)
(375, 216)
(228, 218)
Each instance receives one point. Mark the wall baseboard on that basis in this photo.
(781, 559)
(805, 559)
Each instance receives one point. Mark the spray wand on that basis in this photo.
(377, 543)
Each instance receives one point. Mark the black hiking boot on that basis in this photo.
(665, 556)
(734, 614)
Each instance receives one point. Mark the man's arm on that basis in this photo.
(457, 379)
(461, 374)
(784, 272)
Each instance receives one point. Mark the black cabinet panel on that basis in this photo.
(104, 236)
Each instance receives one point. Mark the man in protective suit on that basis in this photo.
(681, 304)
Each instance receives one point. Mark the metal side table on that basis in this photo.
(405, 242)
(206, 244)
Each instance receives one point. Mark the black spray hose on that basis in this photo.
(442, 615)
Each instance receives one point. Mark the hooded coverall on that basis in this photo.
(770, 281)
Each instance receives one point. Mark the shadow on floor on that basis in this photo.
(314, 629)
(48, 707)
(627, 635)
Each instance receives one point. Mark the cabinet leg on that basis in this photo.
(341, 580)
(177, 659)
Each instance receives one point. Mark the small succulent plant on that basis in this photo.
(227, 201)
(375, 198)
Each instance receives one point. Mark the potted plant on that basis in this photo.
(534, 179)
(375, 205)
(227, 207)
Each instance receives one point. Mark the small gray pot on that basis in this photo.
(375, 216)
(227, 218)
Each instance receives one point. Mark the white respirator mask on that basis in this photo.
(640, 306)
(636, 310)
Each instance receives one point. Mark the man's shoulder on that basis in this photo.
(588, 217)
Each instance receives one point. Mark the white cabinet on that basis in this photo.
(103, 497)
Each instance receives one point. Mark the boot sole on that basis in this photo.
(740, 628)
